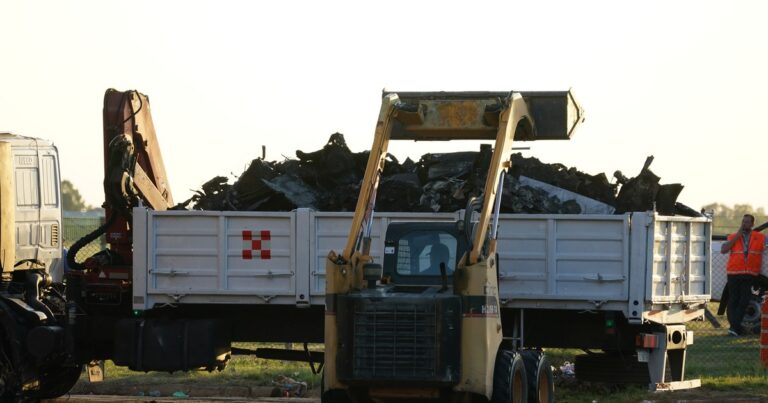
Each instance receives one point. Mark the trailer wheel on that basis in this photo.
(510, 383)
(751, 321)
(541, 382)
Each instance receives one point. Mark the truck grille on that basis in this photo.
(55, 235)
(395, 340)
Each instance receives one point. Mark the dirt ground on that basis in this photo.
(139, 392)
(698, 396)
(114, 398)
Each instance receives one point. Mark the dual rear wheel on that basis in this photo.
(541, 381)
(522, 376)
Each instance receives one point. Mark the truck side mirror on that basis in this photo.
(371, 273)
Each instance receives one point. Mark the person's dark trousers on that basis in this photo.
(739, 294)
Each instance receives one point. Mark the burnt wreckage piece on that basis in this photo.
(329, 180)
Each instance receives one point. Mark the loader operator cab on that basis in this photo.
(414, 252)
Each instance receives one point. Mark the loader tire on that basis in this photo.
(541, 381)
(510, 383)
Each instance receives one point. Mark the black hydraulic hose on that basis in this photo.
(72, 253)
(33, 261)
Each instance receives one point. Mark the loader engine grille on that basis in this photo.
(395, 340)
(402, 339)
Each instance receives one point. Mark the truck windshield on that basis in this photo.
(420, 253)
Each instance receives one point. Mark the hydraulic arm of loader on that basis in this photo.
(498, 116)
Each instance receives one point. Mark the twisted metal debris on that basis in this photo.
(329, 180)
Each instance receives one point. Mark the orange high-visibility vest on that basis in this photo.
(749, 263)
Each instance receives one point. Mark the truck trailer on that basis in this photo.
(176, 288)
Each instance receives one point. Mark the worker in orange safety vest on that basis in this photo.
(746, 254)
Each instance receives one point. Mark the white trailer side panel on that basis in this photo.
(647, 266)
(556, 260)
(217, 257)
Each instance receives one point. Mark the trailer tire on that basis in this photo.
(510, 383)
(541, 381)
(752, 314)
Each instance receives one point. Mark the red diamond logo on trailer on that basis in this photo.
(256, 244)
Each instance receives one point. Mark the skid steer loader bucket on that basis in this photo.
(475, 115)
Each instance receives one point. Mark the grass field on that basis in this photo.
(722, 379)
(242, 370)
(728, 367)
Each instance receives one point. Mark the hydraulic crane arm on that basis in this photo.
(133, 171)
(134, 166)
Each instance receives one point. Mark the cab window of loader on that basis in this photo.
(420, 253)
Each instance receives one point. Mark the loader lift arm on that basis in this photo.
(444, 116)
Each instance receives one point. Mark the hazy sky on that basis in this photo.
(684, 81)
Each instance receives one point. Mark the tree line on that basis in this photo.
(726, 220)
(71, 199)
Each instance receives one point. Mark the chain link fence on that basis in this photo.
(76, 225)
(714, 352)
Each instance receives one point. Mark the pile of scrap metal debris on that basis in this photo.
(329, 180)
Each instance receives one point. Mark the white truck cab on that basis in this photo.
(30, 203)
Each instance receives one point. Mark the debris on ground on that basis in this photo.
(568, 369)
(329, 180)
(288, 387)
